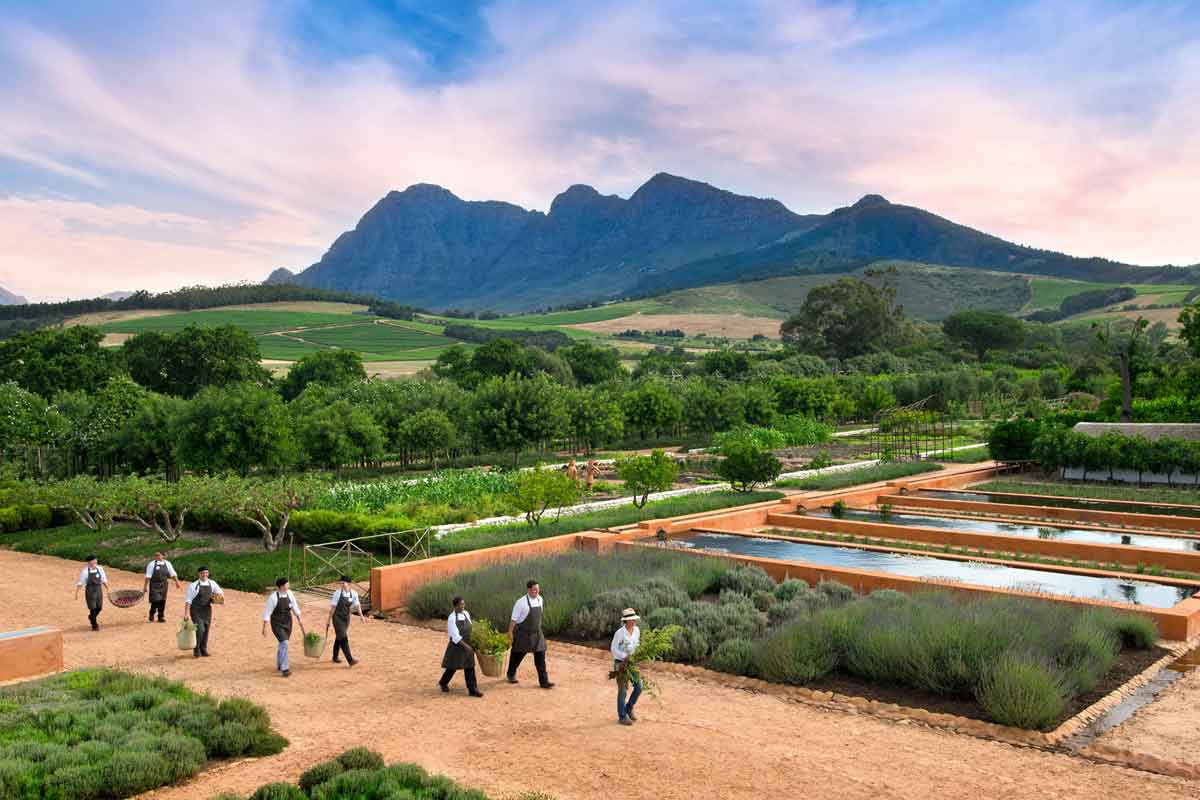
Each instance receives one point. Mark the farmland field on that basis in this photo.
(256, 321)
(1050, 292)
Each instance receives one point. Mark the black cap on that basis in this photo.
(280, 581)
(90, 558)
(345, 579)
(201, 569)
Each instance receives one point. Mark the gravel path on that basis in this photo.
(701, 740)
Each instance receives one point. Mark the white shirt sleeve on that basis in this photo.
(103, 575)
(520, 611)
(215, 588)
(171, 569)
(625, 643)
(452, 626)
(193, 587)
(150, 570)
(272, 601)
(82, 577)
(615, 647)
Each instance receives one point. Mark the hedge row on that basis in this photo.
(29, 518)
(1055, 448)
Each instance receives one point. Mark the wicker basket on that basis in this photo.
(218, 599)
(489, 664)
(126, 598)
(314, 649)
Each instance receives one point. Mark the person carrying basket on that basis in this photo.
(281, 607)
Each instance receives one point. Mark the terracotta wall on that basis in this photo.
(1188, 524)
(1179, 560)
(30, 652)
(1180, 622)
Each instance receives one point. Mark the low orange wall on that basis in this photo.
(1181, 622)
(391, 585)
(1121, 554)
(947, 479)
(1047, 512)
(30, 652)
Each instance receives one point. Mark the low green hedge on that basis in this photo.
(1055, 448)
(28, 518)
(102, 734)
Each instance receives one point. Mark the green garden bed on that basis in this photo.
(98, 734)
(1158, 494)
(1022, 662)
(856, 477)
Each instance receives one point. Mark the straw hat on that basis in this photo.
(629, 614)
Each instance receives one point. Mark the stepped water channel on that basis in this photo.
(1064, 502)
(943, 570)
(1056, 533)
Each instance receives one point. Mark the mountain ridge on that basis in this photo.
(425, 246)
(8, 298)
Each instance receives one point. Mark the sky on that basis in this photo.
(160, 144)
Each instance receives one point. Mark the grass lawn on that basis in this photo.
(971, 456)
(1155, 494)
(97, 734)
(854, 477)
(256, 321)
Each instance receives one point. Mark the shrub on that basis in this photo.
(787, 590)
(265, 743)
(662, 617)
(689, 646)
(835, 593)
(1012, 440)
(320, 773)
(408, 775)
(131, 772)
(10, 519)
(747, 579)
(278, 791)
(78, 782)
(737, 618)
(735, 656)
(183, 754)
(229, 739)
(797, 653)
(1022, 692)
(763, 600)
(1135, 631)
(745, 465)
(238, 709)
(360, 758)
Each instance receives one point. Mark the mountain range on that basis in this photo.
(426, 247)
(7, 298)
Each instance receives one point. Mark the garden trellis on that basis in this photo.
(911, 433)
(323, 564)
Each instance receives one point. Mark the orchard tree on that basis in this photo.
(1189, 327)
(161, 506)
(430, 432)
(236, 428)
(1126, 347)
(592, 364)
(199, 356)
(512, 413)
(595, 418)
(338, 433)
(709, 406)
(652, 408)
(49, 361)
(27, 422)
(146, 442)
(643, 475)
(267, 503)
(845, 319)
(536, 490)
(94, 503)
(329, 367)
(984, 330)
(745, 465)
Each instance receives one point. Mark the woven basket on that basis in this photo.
(314, 649)
(490, 664)
(218, 599)
(126, 598)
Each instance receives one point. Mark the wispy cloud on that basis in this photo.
(228, 146)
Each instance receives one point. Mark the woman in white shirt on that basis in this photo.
(94, 581)
(459, 653)
(624, 643)
(281, 607)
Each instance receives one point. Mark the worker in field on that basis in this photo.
(155, 584)
(572, 470)
(526, 636)
(342, 605)
(459, 653)
(591, 471)
(95, 583)
(197, 604)
(624, 643)
(280, 608)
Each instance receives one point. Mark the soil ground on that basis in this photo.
(702, 738)
(380, 369)
(1169, 727)
(733, 326)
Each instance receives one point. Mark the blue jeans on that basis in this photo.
(281, 656)
(623, 708)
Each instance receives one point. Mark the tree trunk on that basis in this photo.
(1126, 391)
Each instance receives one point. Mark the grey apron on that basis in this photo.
(158, 583)
(201, 609)
(341, 616)
(457, 656)
(93, 592)
(281, 618)
(528, 637)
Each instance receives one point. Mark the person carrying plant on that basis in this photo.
(344, 601)
(525, 634)
(624, 643)
(94, 580)
(155, 582)
(281, 606)
(591, 470)
(197, 603)
(459, 653)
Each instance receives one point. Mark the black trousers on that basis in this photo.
(342, 644)
(158, 607)
(539, 661)
(468, 673)
(202, 628)
(92, 614)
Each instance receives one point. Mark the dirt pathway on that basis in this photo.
(702, 740)
(1168, 728)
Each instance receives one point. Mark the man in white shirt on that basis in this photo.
(155, 584)
(459, 653)
(624, 643)
(525, 634)
(281, 607)
(197, 603)
(344, 601)
(95, 582)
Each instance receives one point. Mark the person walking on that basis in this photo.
(624, 643)
(525, 634)
(459, 653)
(281, 607)
(95, 583)
(155, 584)
(197, 603)
(344, 601)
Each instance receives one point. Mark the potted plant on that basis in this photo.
(186, 638)
(489, 645)
(314, 644)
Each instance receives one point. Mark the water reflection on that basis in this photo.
(1061, 502)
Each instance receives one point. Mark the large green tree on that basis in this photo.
(238, 428)
(1189, 327)
(184, 362)
(337, 433)
(428, 432)
(48, 361)
(652, 407)
(512, 413)
(844, 319)
(984, 330)
(592, 364)
(330, 367)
